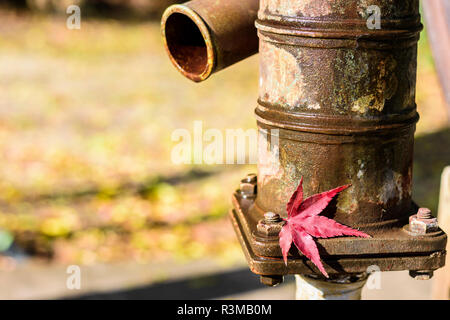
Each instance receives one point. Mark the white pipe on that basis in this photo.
(308, 288)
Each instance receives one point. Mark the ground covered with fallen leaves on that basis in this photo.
(86, 118)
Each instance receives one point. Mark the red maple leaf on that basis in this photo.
(303, 223)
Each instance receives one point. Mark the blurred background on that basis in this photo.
(86, 176)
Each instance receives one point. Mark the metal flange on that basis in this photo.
(390, 249)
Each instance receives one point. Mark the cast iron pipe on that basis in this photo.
(205, 36)
(343, 98)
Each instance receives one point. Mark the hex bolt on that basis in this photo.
(421, 274)
(248, 186)
(271, 217)
(271, 280)
(251, 178)
(422, 222)
(424, 213)
(271, 225)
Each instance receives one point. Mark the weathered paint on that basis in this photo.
(353, 9)
(310, 8)
(282, 82)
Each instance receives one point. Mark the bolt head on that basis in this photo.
(424, 213)
(421, 274)
(271, 281)
(422, 226)
(251, 178)
(247, 189)
(271, 225)
(248, 186)
(272, 217)
(269, 229)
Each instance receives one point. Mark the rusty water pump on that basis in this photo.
(340, 98)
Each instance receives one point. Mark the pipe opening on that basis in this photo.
(187, 46)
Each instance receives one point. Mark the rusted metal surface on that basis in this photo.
(205, 36)
(437, 17)
(342, 100)
(383, 241)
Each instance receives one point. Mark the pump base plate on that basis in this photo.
(389, 249)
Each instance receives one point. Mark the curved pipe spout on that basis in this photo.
(204, 36)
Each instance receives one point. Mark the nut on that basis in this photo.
(423, 222)
(271, 224)
(272, 280)
(421, 274)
